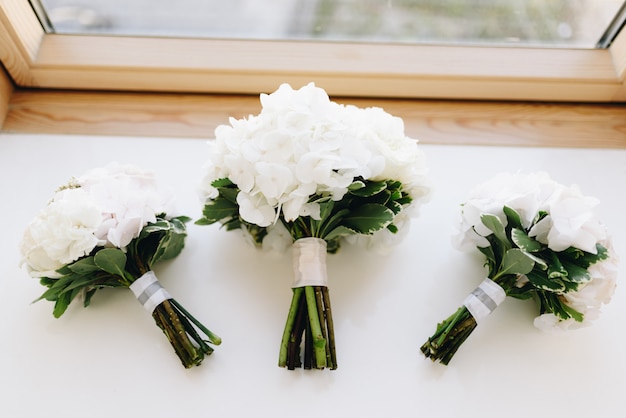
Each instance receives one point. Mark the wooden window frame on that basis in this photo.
(35, 59)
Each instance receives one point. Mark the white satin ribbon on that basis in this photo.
(149, 291)
(484, 299)
(309, 262)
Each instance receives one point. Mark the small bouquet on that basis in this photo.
(541, 241)
(107, 229)
(310, 172)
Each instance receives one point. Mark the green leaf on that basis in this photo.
(576, 273)
(371, 188)
(368, 218)
(488, 252)
(394, 184)
(79, 282)
(395, 207)
(555, 268)
(56, 288)
(551, 302)
(539, 262)
(183, 219)
(172, 243)
(61, 304)
(169, 247)
(543, 282)
(84, 266)
(229, 193)
(522, 293)
(326, 208)
(404, 200)
(224, 182)
(524, 242)
(513, 218)
(583, 258)
(573, 313)
(495, 225)
(111, 260)
(88, 297)
(515, 261)
(218, 209)
(355, 185)
(338, 232)
(158, 226)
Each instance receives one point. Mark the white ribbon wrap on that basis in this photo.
(149, 291)
(484, 299)
(309, 262)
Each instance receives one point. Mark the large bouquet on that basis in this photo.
(108, 228)
(541, 241)
(312, 172)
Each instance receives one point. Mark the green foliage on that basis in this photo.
(111, 260)
(526, 268)
(114, 267)
(515, 261)
(369, 206)
(521, 239)
(368, 218)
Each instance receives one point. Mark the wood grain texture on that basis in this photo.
(20, 37)
(6, 91)
(350, 69)
(437, 121)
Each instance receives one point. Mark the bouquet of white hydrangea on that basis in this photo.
(310, 172)
(108, 228)
(542, 241)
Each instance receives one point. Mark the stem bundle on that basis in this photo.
(309, 323)
(176, 324)
(449, 336)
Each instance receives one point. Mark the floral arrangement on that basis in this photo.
(313, 173)
(108, 228)
(542, 241)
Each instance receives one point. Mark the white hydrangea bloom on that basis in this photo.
(303, 144)
(128, 198)
(62, 232)
(106, 206)
(571, 221)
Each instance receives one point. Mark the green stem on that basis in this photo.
(176, 324)
(319, 342)
(319, 304)
(295, 339)
(291, 317)
(210, 335)
(308, 347)
(167, 319)
(449, 336)
(331, 328)
(453, 321)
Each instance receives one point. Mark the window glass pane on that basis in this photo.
(575, 23)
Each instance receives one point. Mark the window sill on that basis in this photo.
(431, 121)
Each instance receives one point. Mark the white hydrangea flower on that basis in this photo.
(571, 221)
(128, 198)
(106, 206)
(61, 233)
(302, 144)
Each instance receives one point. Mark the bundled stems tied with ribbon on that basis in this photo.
(309, 321)
(175, 322)
(477, 306)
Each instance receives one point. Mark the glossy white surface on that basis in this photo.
(111, 360)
